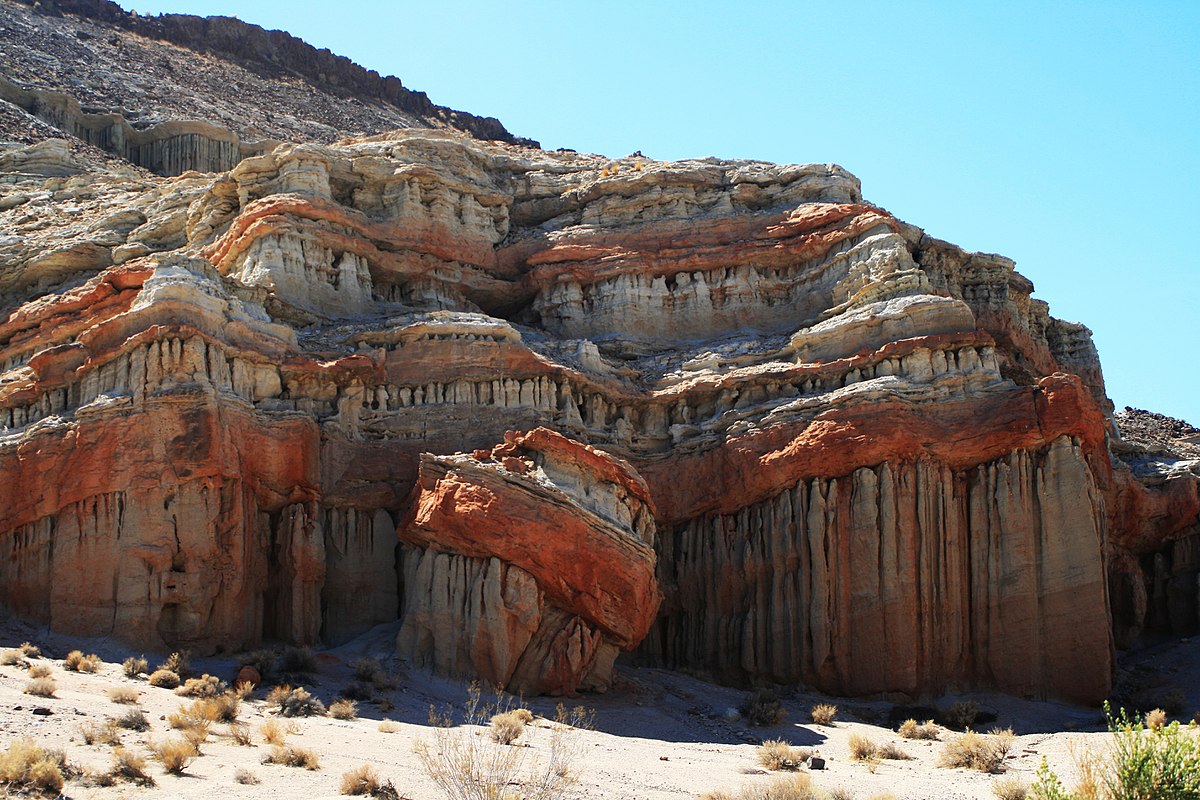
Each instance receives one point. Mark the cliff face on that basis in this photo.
(541, 408)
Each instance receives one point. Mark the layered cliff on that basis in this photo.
(538, 408)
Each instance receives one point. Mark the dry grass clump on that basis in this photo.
(272, 732)
(823, 714)
(776, 754)
(388, 726)
(1010, 789)
(1156, 718)
(962, 714)
(792, 787)
(10, 656)
(164, 678)
(360, 780)
(226, 706)
(862, 748)
(30, 650)
(246, 777)
(125, 695)
(204, 686)
(508, 726)
(25, 766)
(178, 662)
(763, 708)
(40, 671)
(240, 733)
(976, 751)
(135, 666)
(841, 793)
(76, 661)
(292, 756)
(343, 709)
(174, 754)
(41, 687)
(134, 720)
(97, 733)
(911, 729)
(295, 702)
(129, 766)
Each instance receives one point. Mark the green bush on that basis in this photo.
(1144, 764)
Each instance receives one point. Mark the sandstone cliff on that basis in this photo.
(515, 400)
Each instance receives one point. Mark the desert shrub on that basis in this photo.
(892, 752)
(776, 754)
(178, 662)
(261, 660)
(295, 702)
(357, 690)
(297, 660)
(962, 714)
(292, 756)
(508, 726)
(343, 709)
(135, 666)
(135, 720)
(40, 671)
(910, 729)
(10, 656)
(164, 678)
(29, 767)
(174, 754)
(226, 706)
(1010, 789)
(245, 776)
(76, 661)
(823, 714)
(841, 793)
(368, 670)
(1156, 718)
(272, 732)
(41, 687)
(100, 733)
(129, 766)
(123, 694)
(467, 766)
(976, 751)
(204, 686)
(388, 726)
(197, 712)
(791, 787)
(763, 708)
(240, 733)
(360, 780)
(30, 650)
(862, 748)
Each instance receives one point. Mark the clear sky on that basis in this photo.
(1064, 135)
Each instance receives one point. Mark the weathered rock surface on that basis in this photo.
(751, 424)
(547, 546)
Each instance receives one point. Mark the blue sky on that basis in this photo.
(1063, 135)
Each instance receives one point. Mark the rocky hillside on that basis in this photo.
(176, 92)
(541, 408)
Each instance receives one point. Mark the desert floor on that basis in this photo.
(657, 735)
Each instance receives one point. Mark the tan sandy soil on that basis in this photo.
(658, 735)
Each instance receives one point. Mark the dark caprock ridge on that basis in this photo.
(87, 76)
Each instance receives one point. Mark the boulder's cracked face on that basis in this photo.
(273, 398)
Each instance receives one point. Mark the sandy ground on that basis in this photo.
(658, 735)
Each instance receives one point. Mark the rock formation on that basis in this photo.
(537, 408)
